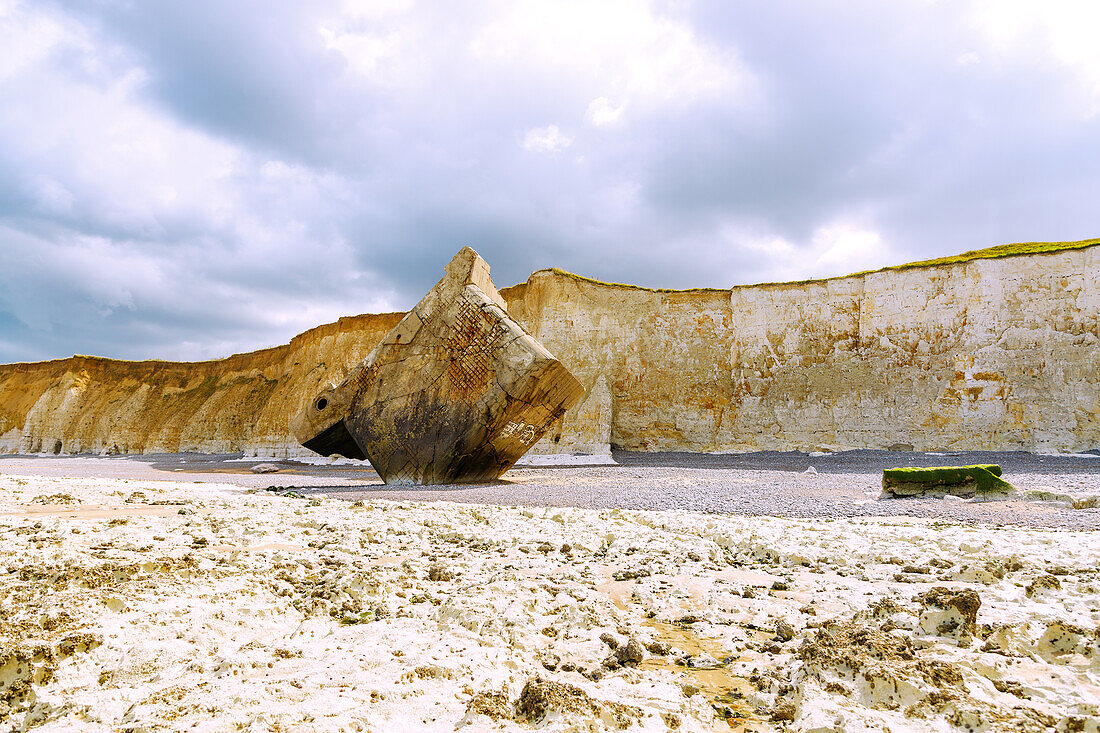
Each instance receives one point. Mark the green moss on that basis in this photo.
(980, 479)
(989, 253)
(1002, 250)
(628, 286)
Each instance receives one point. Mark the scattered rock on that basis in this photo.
(702, 661)
(1012, 688)
(1043, 582)
(58, 499)
(630, 654)
(631, 574)
(541, 697)
(944, 611)
(439, 572)
(264, 468)
(784, 711)
(493, 705)
(784, 631)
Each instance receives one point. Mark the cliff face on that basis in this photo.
(243, 403)
(982, 354)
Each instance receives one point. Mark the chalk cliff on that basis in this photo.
(985, 352)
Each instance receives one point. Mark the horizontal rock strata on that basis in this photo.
(996, 354)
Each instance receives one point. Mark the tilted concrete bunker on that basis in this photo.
(457, 392)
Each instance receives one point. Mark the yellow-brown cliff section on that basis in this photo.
(991, 350)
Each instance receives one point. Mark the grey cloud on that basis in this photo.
(271, 184)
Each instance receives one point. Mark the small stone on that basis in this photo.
(784, 711)
(1047, 581)
(703, 661)
(493, 705)
(609, 639)
(781, 585)
(963, 602)
(440, 573)
(264, 468)
(659, 648)
(784, 631)
(630, 654)
(566, 548)
(631, 574)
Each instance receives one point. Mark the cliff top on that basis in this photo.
(989, 253)
(1003, 250)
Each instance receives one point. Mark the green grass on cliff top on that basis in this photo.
(989, 253)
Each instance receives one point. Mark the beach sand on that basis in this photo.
(134, 603)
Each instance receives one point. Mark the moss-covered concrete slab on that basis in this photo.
(967, 481)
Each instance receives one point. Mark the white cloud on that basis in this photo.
(27, 36)
(602, 112)
(365, 52)
(547, 139)
(246, 174)
(842, 247)
(1062, 32)
(622, 49)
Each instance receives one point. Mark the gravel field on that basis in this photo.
(766, 483)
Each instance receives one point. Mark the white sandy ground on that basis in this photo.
(143, 605)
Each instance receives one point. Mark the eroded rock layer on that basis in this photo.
(983, 354)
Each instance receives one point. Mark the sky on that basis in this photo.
(186, 180)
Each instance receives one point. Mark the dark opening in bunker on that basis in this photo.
(322, 403)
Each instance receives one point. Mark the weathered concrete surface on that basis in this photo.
(457, 392)
(996, 354)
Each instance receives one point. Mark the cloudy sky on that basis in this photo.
(190, 179)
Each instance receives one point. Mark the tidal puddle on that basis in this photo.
(725, 690)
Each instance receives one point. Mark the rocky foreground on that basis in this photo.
(141, 605)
